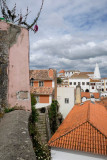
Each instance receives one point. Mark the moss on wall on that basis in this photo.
(7, 40)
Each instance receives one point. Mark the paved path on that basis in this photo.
(15, 143)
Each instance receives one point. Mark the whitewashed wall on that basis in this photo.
(62, 93)
(84, 87)
(64, 154)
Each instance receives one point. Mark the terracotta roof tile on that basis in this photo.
(96, 95)
(85, 94)
(72, 71)
(42, 90)
(88, 72)
(79, 75)
(41, 74)
(95, 80)
(88, 95)
(84, 129)
(103, 101)
(62, 71)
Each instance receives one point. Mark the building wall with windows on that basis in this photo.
(44, 86)
(43, 83)
(65, 98)
(104, 84)
(84, 83)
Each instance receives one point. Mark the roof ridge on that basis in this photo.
(69, 131)
(96, 128)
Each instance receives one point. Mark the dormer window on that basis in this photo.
(41, 84)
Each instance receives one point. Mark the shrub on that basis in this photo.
(59, 80)
(7, 110)
(53, 116)
(33, 99)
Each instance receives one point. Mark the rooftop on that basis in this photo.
(62, 71)
(103, 101)
(81, 75)
(88, 95)
(42, 74)
(42, 90)
(84, 129)
(95, 80)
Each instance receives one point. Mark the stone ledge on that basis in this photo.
(15, 142)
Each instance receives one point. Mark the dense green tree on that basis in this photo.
(59, 80)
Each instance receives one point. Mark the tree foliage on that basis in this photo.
(59, 80)
(53, 116)
(11, 15)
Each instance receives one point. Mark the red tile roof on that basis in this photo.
(84, 129)
(88, 72)
(88, 95)
(96, 95)
(80, 75)
(85, 94)
(41, 74)
(103, 101)
(95, 80)
(42, 90)
(62, 71)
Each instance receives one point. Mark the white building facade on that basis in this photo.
(65, 154)
(65, 98)
(83, 82)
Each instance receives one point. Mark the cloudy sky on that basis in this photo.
(72, 34)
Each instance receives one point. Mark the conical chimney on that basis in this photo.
(78, 95)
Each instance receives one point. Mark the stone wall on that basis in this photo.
(3, 68)
(14, 66)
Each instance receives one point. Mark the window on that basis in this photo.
(92, 87)
(37, 99)
(70, 83)
(87, 83)
(106, 83)
(83, 83)
(79, 83)
(74, 83)
(92, 84)
(66, 100)
(106, 89)
(31, 81)
(41, 84)
(102, 84)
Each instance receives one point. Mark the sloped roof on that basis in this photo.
(88, 95)
(72, 71)
(95, 80)
(96, 95)
(41, 74)
(42, 90)
(81, 75)
(85, 94)
(84, 129)
(103, 101)
(88, 72)
(62, 71)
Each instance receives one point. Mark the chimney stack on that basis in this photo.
(78, 95)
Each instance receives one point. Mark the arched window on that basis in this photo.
(87, 90)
